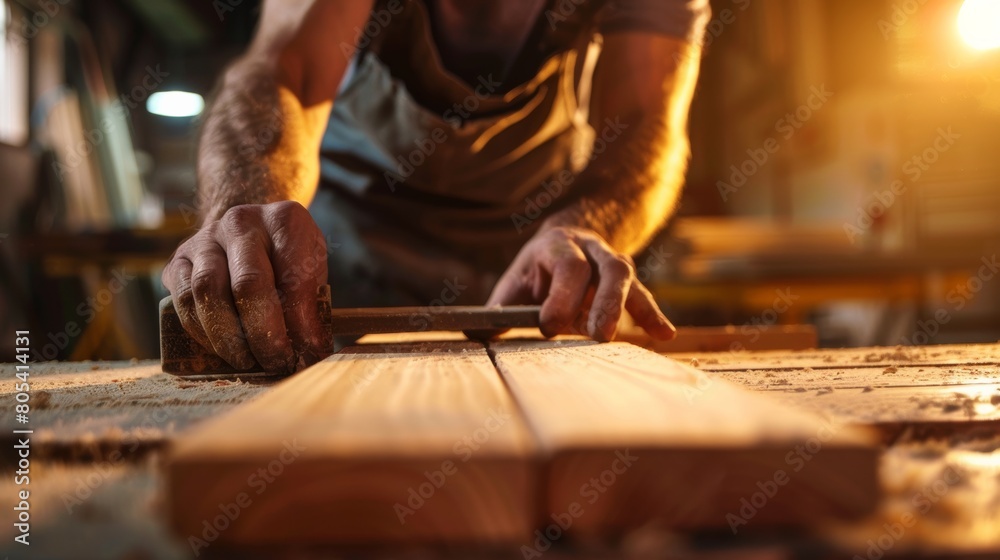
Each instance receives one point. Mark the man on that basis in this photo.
(446, 146)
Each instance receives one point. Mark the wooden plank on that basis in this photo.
(637, 438)
(112, 510)
(376, 443)
(914, 412)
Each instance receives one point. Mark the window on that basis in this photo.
(13, 77)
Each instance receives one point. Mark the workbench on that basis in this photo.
(100, 430)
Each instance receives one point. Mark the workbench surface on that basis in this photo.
(100, 429)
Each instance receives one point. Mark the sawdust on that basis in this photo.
(950, 489)
(957, 402)
(898, 354)
(116, 407)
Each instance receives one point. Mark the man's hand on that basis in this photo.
(245, 286)
(582, 283)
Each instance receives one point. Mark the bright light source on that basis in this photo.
(979, 23)
(175, 104)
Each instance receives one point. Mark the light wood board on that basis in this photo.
(398, 442)
(637, 438)
(625, 437)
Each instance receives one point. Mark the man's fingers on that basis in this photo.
(299, 274)
(510, 290)
(256, 299)
(214, 306)
(614, 276)
(571, 274)
(642, 306)
(177, 279)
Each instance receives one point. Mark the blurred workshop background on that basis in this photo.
(845, 171)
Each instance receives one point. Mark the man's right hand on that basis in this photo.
(245, 286)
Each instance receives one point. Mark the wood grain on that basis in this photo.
(373, 429)
(637, 438)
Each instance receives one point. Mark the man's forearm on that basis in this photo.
(254, 147)
(643, 86)
(629, 190)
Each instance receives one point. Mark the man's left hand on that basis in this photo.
(583, 285)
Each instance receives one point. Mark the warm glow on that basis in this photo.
(979, 23)
(175, 104)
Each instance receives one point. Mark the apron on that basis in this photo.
(428, 173)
